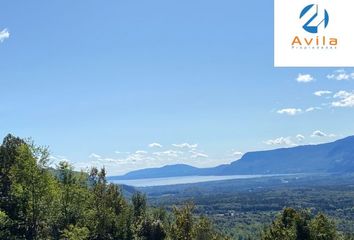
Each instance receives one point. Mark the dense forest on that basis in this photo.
(41, 202)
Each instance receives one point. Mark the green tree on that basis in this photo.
(290, 225)
(147, 226)
(75, 233)
(139, 205)
(74, 197)
(149, 229)
(100, 212)
(5, 223)
(108, 209)
(9, 204)
(203, 229)
(322, 228)
(294, 225)
(36, 189)
(38, 202)
(182, 229)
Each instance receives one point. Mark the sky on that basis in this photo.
(135, 84)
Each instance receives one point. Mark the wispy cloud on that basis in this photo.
(290, 111)
(343, 99)
(185, 145)
(155, 145)
(186, 153)
(321, 134)
(284, 141)
(341, 75)
(297, 111)
(4, 34)
(304, 78)
(199, 155)
(55, 159)
(94, 155)
(300, 137)
(237, 153)
(311, 109)
(322, 93)
(168, 153)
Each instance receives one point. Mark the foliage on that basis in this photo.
(75, 233)
(37, 202)
(298, 225)
(183, 227)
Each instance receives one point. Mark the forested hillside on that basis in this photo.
(39, 203)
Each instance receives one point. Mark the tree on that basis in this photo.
(149, 229)
(38, 202)
(5, 222)
(36, 189)
(146, 226)
(108, 208)
(294, 225)
(74, 196)
(28, 189)
(9, 204)
(182, 229)
(75, 233)
(203, 229)
(139, 205)
(100, 212)
(322, 228)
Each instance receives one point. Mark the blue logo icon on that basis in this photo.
(318, 19)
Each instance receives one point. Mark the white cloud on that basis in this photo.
(319, 133)
(140, 152)
(280, 141)
(94, 155)
(4, 34)
(183, 153)
(340, 75)
(300, 137)
(199, 155)
(322, 92)
(296, 111)
(311, 109)
(185, 145)
(304, 78)
(155, 145)
(96, 159)
(290, 111)
(168, 153)
(344, 99)
(55, 159)
(237, 154)
(138, 156)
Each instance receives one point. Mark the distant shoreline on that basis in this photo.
(166, 181)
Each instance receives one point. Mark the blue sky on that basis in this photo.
(101, 81)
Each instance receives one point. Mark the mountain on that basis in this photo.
(166, 171)
(334, 157)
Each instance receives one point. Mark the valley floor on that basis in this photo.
(241, 208)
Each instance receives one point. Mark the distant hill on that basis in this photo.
(334, 157)
(166, 171)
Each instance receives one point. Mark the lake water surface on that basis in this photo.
(150, 182)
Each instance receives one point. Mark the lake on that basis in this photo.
(151, 182)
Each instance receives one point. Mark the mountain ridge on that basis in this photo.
(337, 156)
